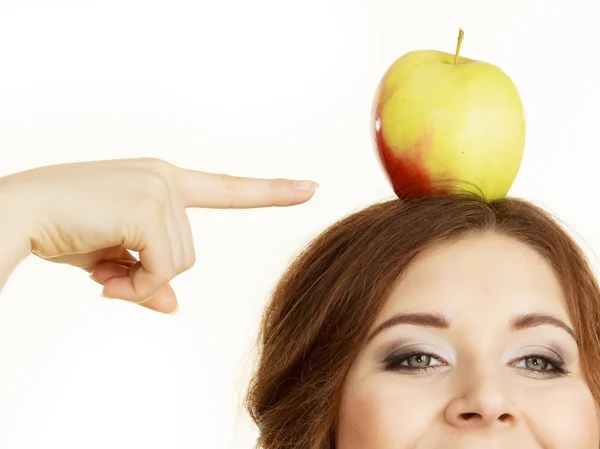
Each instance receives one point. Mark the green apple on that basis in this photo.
(446, 124)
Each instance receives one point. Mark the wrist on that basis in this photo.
(16, 223)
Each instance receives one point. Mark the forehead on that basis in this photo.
(487, 274)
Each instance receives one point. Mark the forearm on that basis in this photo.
(12, 253)
(14, 240)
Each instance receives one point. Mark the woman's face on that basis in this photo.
(474, 349)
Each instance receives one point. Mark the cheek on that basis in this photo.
(563, 416)
(379, 413)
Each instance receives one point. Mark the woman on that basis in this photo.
(445, 322)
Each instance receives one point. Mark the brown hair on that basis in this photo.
(326, 301)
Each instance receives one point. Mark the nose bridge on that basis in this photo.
(481, 395)
(485, 387)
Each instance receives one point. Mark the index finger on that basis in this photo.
(222, 191)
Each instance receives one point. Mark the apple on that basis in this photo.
(447, 124)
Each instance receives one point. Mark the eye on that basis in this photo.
(419, 361)
(541, 365)
(414, 361)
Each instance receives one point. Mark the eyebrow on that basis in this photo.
(440, 321)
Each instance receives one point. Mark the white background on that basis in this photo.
(273, 88)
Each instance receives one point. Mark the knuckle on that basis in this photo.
(166, 274)
(233, 186)
(279, 184)
(161, 169)
(164, 168)
(190, 259)
(154, 163)
(131, 233)
(156, 188)
(232, 182)
(139, 299)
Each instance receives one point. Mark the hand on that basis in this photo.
(92, 214)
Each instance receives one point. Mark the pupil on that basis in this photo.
(419, 360)
(537, 364)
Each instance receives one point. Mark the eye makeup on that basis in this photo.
(532, 361)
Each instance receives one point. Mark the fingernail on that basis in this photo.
(175, 311)
(105, 296)
(305, 186)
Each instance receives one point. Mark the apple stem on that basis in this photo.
(461, 35)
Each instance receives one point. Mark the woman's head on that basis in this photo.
(492, 298)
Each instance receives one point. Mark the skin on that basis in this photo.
(481, 388)
(93, 215)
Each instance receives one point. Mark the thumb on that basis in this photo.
(164, 300)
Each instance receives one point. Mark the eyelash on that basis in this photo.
(394, 363)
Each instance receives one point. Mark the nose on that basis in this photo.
(480, 402)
